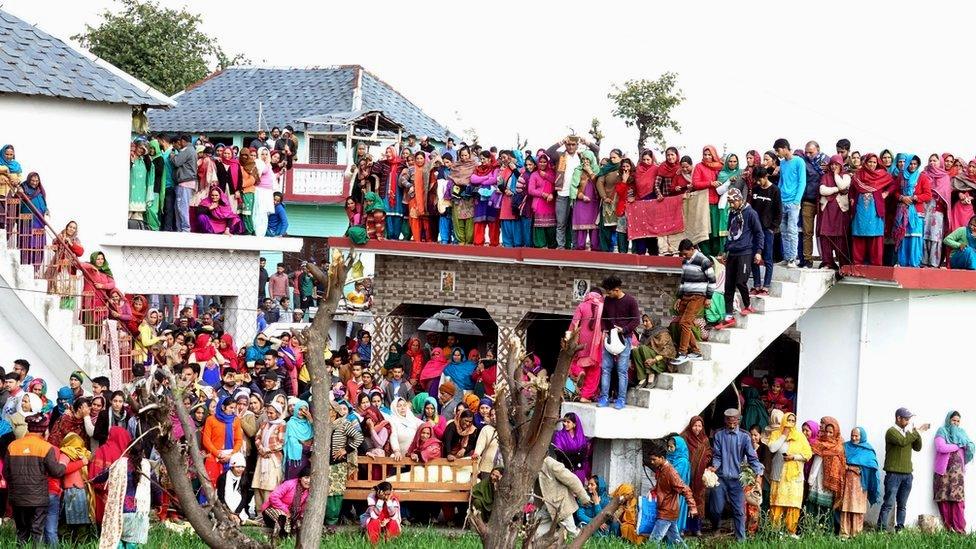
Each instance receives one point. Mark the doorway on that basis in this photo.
(543, 332)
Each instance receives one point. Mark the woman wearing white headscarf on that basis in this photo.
(404, 423)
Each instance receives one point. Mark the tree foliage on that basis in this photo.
(161, 46)
(648, 105)
(595, 132)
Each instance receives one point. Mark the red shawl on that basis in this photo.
(645, 176)
(716, 163)
(953, 170)
(138, 312)
(874, 181)
(486, 168)
(390, 169)
(202, 348)
(416, 357)
(941, 182)
(700, 456)
(622, 190)
(432, 448)
(229, 352)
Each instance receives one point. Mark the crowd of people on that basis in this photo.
(183, 184)
(865, 209)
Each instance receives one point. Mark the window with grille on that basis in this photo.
(322, 151)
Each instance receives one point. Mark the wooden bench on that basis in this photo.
(441, 479)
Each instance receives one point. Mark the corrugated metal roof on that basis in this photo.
(228, 101)
(33, 62)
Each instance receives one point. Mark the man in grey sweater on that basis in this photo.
(185, 174)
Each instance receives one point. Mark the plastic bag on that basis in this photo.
(646, 514)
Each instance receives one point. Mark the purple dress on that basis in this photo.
(574, 451)
(585, 213)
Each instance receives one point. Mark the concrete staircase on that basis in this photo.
(676, 397)
(56, 334)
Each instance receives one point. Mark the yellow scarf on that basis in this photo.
(73, 446)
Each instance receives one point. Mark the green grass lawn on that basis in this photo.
(415, 537)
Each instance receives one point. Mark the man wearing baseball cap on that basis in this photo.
(900, 441)
(731, 447)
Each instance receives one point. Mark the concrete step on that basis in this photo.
(673, 382)
(729, 335)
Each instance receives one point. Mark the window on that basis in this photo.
(322, 151)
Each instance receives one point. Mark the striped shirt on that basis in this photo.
(697, 276)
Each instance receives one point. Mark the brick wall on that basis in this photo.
(507, 291)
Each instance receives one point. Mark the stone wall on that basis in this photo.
(507, 291)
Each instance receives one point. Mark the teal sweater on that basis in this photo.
(898, 450)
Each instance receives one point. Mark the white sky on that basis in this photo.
(891, 74)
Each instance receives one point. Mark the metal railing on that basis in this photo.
(63, 273)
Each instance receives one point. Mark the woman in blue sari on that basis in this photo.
(909, 226)
(678, 458)
(962, 242)
(32, 239)
(460, 370)
(600, 498)
(861, 483)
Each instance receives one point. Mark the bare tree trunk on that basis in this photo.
(641, 138)
(212, 522)
(316, 335)
(523, 440)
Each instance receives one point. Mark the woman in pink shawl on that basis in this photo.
(587, 320)
(963, 193)
(432, 370)
(542, 185)
(215, 215)
(936, 211)
(425, 446)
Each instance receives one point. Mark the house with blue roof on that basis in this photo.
(320, 103)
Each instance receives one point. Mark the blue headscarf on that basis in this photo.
(893, 170)
(863, 455)
(911, 178)
(11, 165)
(228, 421)
(679, 460)
(956, 435)
(297, 430)
(460, 372)
(66, 397)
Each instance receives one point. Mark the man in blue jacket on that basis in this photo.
(743, 248)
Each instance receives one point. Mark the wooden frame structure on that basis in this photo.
(440, 489)
(363, 125)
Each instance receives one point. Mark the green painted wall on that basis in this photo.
(316, 220)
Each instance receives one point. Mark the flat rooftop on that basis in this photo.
(909, 278)
(527, 256)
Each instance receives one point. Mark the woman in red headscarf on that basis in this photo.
(963, 193)
(415, 180)
(871, 186)
(388, 170)
(228, 351)
(669, 182)
(705, 177)
(700, 457)
(107, 454)
(484, 181)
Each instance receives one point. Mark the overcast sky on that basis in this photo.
(891, 74)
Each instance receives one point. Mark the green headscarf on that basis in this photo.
(956, 435)
(155, 151)
(727, 173)
(394, 356)
(417, 404)
(578, 173)
(373, 203)
(104, 268)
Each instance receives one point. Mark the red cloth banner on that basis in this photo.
(649, 218)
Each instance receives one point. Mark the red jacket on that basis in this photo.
(669, 486)
(922, 194)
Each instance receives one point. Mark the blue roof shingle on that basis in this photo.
(228, 101)
(33, 62)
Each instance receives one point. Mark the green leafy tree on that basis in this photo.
(647, 104)
(158, 45)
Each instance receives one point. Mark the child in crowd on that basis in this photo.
(382, 516)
